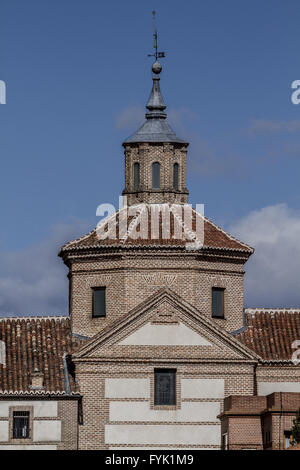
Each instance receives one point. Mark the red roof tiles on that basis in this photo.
(168, 229)
(34, 344)
(270, 332)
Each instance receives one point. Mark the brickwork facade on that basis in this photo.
(131, 279)
(97, 407)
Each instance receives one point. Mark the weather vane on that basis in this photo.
(156, 54)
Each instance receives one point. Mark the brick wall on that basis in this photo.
(92, 376)
(131, 279)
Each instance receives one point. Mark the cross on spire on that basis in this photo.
(156, 54)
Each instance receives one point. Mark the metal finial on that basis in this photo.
(156, 54)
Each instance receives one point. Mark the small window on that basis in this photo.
(217, 302)
(99, 302)
(136, 176)
(21, 424)
(175, 176)
(155, 175)
(165, 387)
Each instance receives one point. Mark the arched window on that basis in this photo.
(175, 176)
(155, 175)
(136, 176)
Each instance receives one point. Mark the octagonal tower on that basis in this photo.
(155, 158)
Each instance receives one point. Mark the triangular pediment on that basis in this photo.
(165, 324)
(158, 334)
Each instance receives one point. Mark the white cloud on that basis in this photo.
(33, 281)
(273, 272)
(131, 118)
(207, 160)
(180, 119)
(265, 125)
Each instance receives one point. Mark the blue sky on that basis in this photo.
(78, 76)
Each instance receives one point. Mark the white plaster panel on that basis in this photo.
(27, 447)
(265, 388)
(42, 408)
(206, 434)
(4, 431)
(2, 353)
(202, 388)
(171, 335)
(140, 411)
(46, 430)
(127, 388)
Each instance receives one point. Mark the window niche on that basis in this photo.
(136, 176)
(99, 302)
(176, 176)
(164, 387)
(20, 423)
(155, 175)
(217, 302)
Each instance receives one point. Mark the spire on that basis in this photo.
(156, 105)
(155, 128)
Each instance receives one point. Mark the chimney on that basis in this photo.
(37, 380)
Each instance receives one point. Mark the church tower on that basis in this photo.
(155, 158)
(150, 244)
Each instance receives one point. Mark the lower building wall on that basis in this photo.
(277, 378)
(119, 410)
(245, 433)
(259, 422)
(53, 424)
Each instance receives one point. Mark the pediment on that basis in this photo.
(167, 326)
(160, 334)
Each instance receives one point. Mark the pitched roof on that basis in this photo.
(28, 345)
(158, 225)
(271, 332)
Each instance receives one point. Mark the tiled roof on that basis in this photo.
(154, 232)
(271, 332)
(29, 345)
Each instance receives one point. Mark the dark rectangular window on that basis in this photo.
(217, 302)
(20, 424)
(136, 176)
(175, 176)
(99, 302)
(165, 387)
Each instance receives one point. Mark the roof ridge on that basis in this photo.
(225, 232)
(271, 311)
(78, 239)
(35, 317)
(38, 392)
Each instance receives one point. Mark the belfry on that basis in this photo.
(155, 158)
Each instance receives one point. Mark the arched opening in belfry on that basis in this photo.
(155, 175)
(175, 175)
(136, 176)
